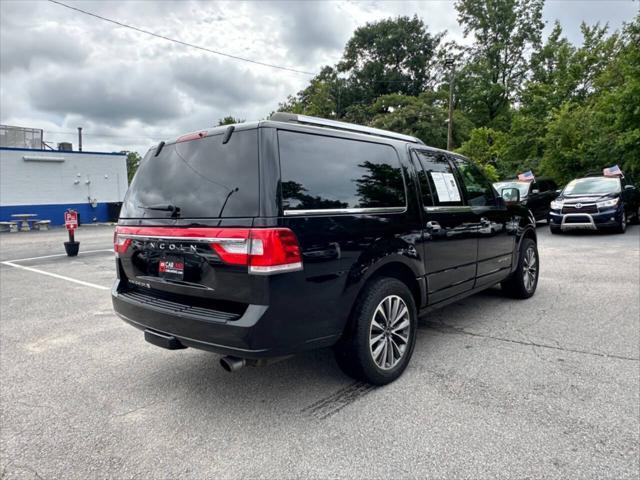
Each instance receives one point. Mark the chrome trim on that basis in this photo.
(334, 211)
(588, 226)
(350, 127)
(183, 239)
(273, 269)
(452, 208)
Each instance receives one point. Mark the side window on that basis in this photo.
(437, 180)
(478, 187)
(320, 172)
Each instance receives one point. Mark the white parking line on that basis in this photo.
(55, 275)
(60, 255)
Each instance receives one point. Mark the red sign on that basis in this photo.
(71, 219)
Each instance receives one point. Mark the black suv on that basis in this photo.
(536, 195)
(595, 202)
(264, 239)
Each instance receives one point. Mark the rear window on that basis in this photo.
(321, 172)
(203, 178)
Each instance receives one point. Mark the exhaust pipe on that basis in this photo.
(232, 364)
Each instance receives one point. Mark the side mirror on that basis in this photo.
(629, 187)
(510, 195)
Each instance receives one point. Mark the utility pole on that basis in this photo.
(450, 63)
(79, 139)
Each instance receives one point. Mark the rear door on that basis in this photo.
(450, 228)
(496, 232)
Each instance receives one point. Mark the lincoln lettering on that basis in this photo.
(167, 246)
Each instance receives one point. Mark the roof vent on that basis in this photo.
(65, 147)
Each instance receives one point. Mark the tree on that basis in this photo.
(553, 78)
(602, 129)
(133, 162)
(422, 116)
(389, 56)
(504, 30)
(486, 147)
(229, 120)
(569, 149)
(321, 98)
(392, 56)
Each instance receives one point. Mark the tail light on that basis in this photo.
(120, 243)
(264, 251)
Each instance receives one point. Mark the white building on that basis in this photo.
(48, 182)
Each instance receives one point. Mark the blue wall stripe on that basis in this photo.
(55, 213)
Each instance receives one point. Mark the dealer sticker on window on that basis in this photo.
(446, 187)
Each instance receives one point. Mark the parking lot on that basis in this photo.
(543, 388)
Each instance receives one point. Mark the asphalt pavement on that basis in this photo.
(497, 388)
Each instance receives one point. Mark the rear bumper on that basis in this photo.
(585, 221)
(255, 334)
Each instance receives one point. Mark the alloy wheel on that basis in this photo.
(530, 268)
(389, 332)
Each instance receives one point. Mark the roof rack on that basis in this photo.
(323, 122)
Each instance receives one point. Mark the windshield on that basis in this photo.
(201, 178)
(522, 186)
(592, 186)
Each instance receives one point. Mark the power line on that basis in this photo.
(186, 44)
(105, 135)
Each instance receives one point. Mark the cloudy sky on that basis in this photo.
(61, 69)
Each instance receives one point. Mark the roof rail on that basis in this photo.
(351, 127)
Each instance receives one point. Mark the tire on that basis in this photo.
(524, 280)
(555, 230)
(622, 225)
(636, 218)
(356, 352)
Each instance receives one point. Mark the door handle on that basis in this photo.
(485, 222)
(433, 226)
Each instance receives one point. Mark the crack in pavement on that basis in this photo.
(22, 467)
(444, 328)
(141, 407)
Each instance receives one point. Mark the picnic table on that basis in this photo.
(24, 219)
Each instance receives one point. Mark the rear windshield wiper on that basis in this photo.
(175, 211)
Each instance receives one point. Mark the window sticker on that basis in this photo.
(446, 187)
